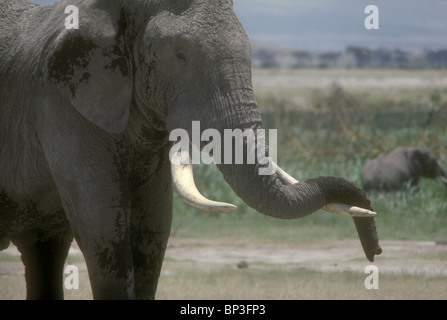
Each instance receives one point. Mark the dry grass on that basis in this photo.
(181, 282)
(295, 284)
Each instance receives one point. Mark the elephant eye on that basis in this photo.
(181, 55)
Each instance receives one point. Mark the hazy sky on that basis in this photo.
(335, 24)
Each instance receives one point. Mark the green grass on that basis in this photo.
(402, 215)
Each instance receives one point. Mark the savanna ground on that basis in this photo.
(330, 122)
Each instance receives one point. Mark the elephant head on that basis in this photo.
(426, 165)
(402, 167)
(425, 162)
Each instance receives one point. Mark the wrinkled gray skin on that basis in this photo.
(401, 168)
(85, 117)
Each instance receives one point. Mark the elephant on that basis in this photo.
(85, 119)
(401, 168)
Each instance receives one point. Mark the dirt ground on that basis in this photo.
(402, 257)
(417, 258)
(425, 258)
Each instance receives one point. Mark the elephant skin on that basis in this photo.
(400, 169)
(85, 117)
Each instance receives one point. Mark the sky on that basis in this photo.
(335, 24)
(332, 25)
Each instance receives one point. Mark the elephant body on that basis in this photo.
(401, 168)
(85, 116)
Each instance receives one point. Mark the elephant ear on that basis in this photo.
(90, 66)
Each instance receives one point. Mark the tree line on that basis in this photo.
(351, 57)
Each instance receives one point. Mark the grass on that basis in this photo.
(404, 215)
(376, 88)
(296, 284)
(258, 283)
(401, 215)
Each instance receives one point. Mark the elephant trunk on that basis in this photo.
(279, 195)
(276, 196)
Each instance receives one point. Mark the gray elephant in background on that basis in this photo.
(85, 119)
(401, 168)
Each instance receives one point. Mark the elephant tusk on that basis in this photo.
(348, 210)
(284, 177)
(338, 208)
(443, 179)
(183, 179)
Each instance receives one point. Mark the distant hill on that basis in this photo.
(352, 57)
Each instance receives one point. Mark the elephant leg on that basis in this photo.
(100, 223)
(94, 194)
(44, 257)
(151, 226)
(109, 262)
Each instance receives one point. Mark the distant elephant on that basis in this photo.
(401, 168)
(85, 118)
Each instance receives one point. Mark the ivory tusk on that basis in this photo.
(338, 208)
(348, 210)
(443, 179)
(183, 179)
(284, 177)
